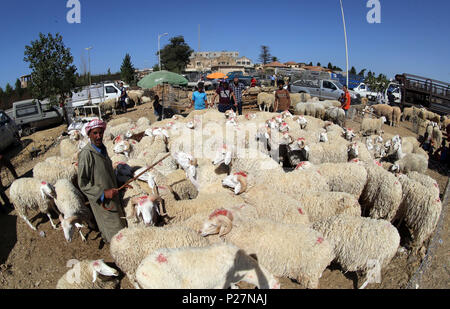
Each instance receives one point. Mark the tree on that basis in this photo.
(318, 64)
(352, 71)
(175, 55)
(19, 90)
(127, 69)
(155, 68)
(362, 73)
(53, 72)
(8, 90)
(330, 66)
(264, 56)
(310, 64)
(274, 59)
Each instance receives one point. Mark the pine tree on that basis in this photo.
(19, 89)
(264, 56)
(127, 69)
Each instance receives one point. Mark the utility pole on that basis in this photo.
(90, 80)
(345, 34)
(159, 49)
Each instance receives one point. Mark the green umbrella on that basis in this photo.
(162, 77)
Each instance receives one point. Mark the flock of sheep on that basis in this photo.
(222, 207)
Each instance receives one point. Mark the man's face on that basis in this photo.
(280, 86)
(236, 80)
(96, 136)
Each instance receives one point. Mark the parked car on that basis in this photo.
(323, 89)
(9, 133)
(30, 115)
(365, 92)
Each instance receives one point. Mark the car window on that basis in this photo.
(3, 117)
(27, 111)
(329, 85)
(362, 87)
(110, 89)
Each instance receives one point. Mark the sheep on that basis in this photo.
(135, 96)
(265, 101)
(396, 114)
(426, 181)
(112, 132)
(31, 193)
(275, 206)
(286, 250)
(109, 105)
(68, 148)
(408, 113)
(360, 244)
(130, 246)
(320, 205)
(217, 266)
(55, 168)
(85, 275)
(372, 126)
(182, 188)
(436, 138)
(383, 110)
(420, 210)
(145, 99)
(70, 204)
(382, 194)
(117, 121)
(411, 162)
(336, 115)
(331, 152)
(344, 177)
(166, 166)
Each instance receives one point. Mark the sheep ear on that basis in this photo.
(94, 275)
(228, 158)
(225, 226)
(237, 188)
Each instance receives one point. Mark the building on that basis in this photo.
(24, 80)
(221, 61)
(316, 69)
(292, 65)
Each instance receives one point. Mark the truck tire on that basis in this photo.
(26, 131)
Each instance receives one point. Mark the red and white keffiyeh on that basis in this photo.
(96, 123)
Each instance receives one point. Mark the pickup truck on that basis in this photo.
(9, 133)
(364, 92)
(323, 89)
(30, 115)
(94, 95)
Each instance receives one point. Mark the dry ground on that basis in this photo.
(28, 260)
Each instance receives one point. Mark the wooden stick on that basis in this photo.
(144, 171)
(133, 179)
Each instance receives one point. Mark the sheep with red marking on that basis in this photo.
(286, 250)
(382, 194)
(344, 177)
(130, 246)
(217, 266)
(31, 193)
(360, 244)
(55, 168)
(420, 210)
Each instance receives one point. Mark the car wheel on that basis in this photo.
(26, 131)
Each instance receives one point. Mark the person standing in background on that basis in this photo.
(346, 104)
(226, 97)
(282, 98)
(199, 99)
(123, 98)
(237, 88)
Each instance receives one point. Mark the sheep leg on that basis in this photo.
(51, 222)
(29, 223)
(81, 235)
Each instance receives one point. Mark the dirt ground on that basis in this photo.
(30, 260)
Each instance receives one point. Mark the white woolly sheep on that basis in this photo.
(89, 274)
(383, 110)
(426, 181)
(265, 101)
(336, 115)
(420, 210)
(344, 177)
(396, 115)
(372, 126)
(55, 168)
(286, 250)
(411, 162)
(70, 204)
(215, 267)
(382, 194)
(109, 105)
(31, 193)
(360, 244)
(130, 246)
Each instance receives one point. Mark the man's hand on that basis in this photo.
(111, 193)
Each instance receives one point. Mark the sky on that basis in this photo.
(413, 36)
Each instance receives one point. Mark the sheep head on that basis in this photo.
(237, 181)
(145, 207)
(284, 127)
(47, 190)
(323, 138)
(383, 119)
(223, 155)
(353, 151)
(68, 226)
(220, 221)
(100, 267)
(75, 135)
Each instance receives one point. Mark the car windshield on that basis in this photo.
(338, 84)
(393, 88)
